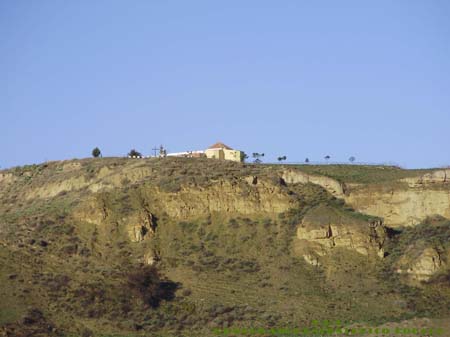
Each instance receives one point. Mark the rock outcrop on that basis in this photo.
(6, 178)
(239, 197)
(325, 228)
(142, 226)
(421, 263)
(433, 177)
(400, 206)
(331, 185)
(104, 179)
(404, 202)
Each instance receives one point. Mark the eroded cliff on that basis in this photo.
(255, 239)
(405, 202)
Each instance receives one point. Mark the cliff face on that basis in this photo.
(229, 197)
(333, 186)
(422, 263)
(402, 206)
(401, 202)
(405, 202)
(324, 229)
(135, 212)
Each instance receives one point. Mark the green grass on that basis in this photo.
(361, 174)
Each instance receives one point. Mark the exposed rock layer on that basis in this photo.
(331, 185)
(325, 228)
(421, 264)
(401, 206)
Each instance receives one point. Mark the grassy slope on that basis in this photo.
(231, 270)
(363, 174)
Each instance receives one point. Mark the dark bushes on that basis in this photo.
(147, 284)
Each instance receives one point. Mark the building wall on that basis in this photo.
(187, 154)
(234, 155)
(215, 153)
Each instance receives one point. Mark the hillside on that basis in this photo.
(179, 247)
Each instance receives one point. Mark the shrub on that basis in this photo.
(186, 226)
(171, 185)
(146, 283)
(233, 223)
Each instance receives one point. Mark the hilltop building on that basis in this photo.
(217, 151)
(221, 151)
(186, 154)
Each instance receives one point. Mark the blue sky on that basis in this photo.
(369, 79)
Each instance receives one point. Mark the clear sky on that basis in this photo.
(369, 79)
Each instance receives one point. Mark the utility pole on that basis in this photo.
(155, 150)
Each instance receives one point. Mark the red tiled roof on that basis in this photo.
(220, 145)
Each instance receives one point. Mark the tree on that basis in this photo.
(282, 158)
(327, 158)
(96, 152)
(257, 157)
(134, 153)
(352, 159)
(307, 160)
(244, 156)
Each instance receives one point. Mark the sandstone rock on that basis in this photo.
(323, 232)
(325, 228)
(150, 258)
(6, 178)
(143, 227)
(422, 265)
(251, 180)
(137, 233)
(400, 206)
(71, 166)
(333, 186)
(311, 259)
(224, 196)
(433, 177)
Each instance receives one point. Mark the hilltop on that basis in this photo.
(180, 246)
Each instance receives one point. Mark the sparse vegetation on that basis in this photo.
(70, 250)
(364, 174)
